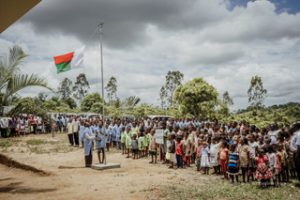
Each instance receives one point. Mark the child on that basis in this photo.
(263, 173)
(198, 154)
(141, 144)
(214, 150)
(179, 149)
(134, 147)
(128, 140)
(233, 164)
(205, 158)
(146, 142)
(152, 146)
(123, 139)
(171, 149)
(244, 156)
(272, 164)
(100, 144)
(224, 158)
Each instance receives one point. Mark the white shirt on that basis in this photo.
(295, 142)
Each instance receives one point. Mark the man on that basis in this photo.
(88, 145)
(75, 124)
(295, 147)
(70, 132)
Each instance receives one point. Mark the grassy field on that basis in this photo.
(223, 190)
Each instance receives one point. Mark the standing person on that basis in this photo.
(179, 152)
(100, 143)
(128, 140)
(224, 158)
(81, 132)
(263, 173)
(134, 147)
(75, 124)
(88, 145)
(205, 157)
(198, 154)
(153, 146)
(214, 150)
(295, 148)
(244, 156)
(171, 149)
(70, 132)
(233, 164)
(141, 144)
(123, 138)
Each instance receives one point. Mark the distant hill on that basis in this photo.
(284, 113)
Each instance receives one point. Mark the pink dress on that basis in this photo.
(263, 172)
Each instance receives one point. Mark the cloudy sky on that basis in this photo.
(224, 41)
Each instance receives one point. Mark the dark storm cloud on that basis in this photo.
(125, 20)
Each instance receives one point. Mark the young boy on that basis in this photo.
(141, 144)
(153, 146)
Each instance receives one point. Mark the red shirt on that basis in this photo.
(178, 148)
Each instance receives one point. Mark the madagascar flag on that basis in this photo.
(69, 61)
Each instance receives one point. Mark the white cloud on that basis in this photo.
(227, 48)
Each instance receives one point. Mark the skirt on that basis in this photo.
(204, 161)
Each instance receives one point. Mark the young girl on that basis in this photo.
(179, 150)
(198, 154)
(224, 158)
(233, 164)
(128, 140)
(134, 147)
(214, 150)
(205, 158)
(263, 172)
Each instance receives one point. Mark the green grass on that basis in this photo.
(223, 190)
(35, 142)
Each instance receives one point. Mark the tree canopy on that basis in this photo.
(196, 97)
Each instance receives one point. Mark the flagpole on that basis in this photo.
(101, 57)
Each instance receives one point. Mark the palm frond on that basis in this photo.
(20, 81)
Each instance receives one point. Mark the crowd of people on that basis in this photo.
(238, 151)
(23, 125)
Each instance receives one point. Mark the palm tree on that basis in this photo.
(11, 81)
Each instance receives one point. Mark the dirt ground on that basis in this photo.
(136, 179)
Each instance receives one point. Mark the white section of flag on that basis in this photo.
(77, 61)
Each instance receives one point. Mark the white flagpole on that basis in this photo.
(101, 57)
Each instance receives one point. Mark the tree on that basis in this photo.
(11, 81)
(28, 105)
(197, 98)
(131, 102)
(42, 97)
(163, 97)
(256, 92)
(173, 80)
(94, 101)
(65, 88)
(111, 89)
(227, 100)
(81, 86)
(70, 102)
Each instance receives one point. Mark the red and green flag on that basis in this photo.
(69, 60)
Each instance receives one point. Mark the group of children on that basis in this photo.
(235, 150)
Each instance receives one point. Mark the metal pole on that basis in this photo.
(101, 56)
